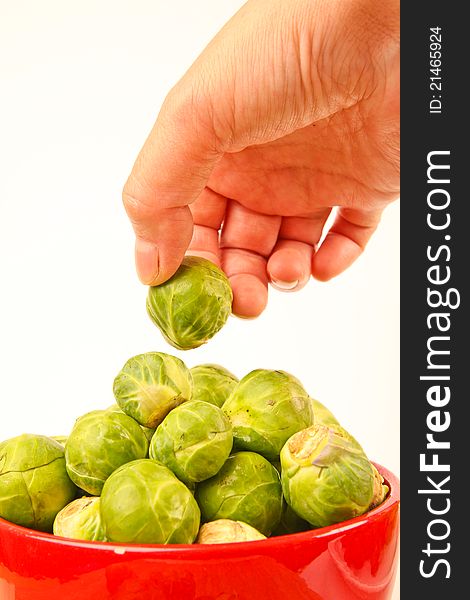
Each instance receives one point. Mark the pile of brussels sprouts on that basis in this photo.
(190, 455)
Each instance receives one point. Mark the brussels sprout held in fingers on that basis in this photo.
(193, 305)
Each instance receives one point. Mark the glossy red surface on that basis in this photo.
(355, 560)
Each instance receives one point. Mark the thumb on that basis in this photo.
(170, 172)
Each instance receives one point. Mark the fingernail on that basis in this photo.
(285, 286)
(146, 259)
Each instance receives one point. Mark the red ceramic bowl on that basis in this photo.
(353, 560)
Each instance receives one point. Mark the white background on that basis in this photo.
(80, 86)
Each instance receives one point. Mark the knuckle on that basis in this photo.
(134, 205)
(131, 204)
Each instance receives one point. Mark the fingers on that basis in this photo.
(208, 212)
(344, 242)
(209, 209)
(248, 278)
(289, 266)
(246, 240)
(205, 243)
(249, 230)
(212, 110)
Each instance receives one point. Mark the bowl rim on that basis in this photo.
(193, 550)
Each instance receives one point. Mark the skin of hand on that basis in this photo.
(291, 111)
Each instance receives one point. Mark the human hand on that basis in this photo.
(291, 110)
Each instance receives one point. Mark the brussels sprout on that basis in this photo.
(290, 522)
(81, 520)
(193, 305)
(212, 383)
(326, 476)
(225, 531)
(247, 488)
(148, 431)
(322, 415)
(380, 489)
(150, 385)
(34, 485)
(100, 442)
(265, 409)
(194, 441)
(144, 503)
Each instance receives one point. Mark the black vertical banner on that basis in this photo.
(435, 254)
